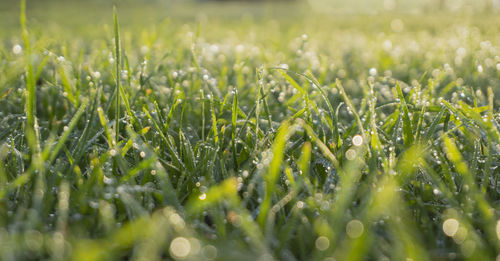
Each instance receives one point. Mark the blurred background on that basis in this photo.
(92, 12)
(456, 37)
(391, 35)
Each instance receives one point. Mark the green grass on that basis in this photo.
(261, 138)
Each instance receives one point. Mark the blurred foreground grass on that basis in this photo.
(280, 134)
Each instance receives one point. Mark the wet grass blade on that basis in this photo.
(353, 110)
(67, 131)
(117, 74)
(234, 119)
(407, 126)
(30, 79)
(272, 175)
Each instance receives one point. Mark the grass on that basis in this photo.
(258, 138)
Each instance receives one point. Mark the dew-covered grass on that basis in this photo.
(267, 137)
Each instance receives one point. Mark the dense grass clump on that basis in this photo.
(313, 139)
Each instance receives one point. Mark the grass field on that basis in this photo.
(164, 130)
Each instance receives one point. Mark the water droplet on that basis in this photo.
(354, 228)
(180, 247)
(17, 49)
(209, 252)
(450, 227)
(357, 140)
(322, 243)
(350, 154)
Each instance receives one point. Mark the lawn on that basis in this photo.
(163, 130)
